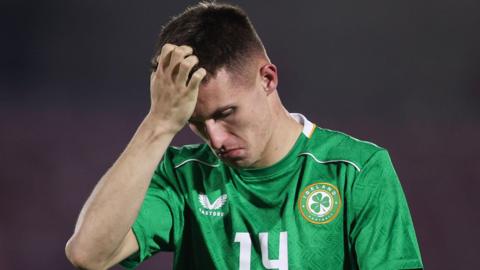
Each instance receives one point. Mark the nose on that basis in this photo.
(216, 133)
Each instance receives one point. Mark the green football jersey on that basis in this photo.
(333, 202)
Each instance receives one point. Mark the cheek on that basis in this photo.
(259, 127)
(251, 123)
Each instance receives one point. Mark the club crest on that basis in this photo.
(320, 203)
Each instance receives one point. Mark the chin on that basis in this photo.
(240, 163)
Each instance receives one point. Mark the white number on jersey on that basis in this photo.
(246, 247)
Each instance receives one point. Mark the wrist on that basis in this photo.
(160, 127)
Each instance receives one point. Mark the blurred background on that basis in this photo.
(74, 85)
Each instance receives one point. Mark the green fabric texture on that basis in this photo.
(333, 202)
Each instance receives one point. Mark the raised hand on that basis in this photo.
(173, 96)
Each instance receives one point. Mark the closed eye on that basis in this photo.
(220, 114)
(224, 114)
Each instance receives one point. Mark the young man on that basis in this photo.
(268, 190)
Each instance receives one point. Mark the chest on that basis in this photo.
(308, 201)
(287, 218)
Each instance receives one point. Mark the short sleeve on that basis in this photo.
(382, 232)
(154, 226)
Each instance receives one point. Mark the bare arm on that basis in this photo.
(103, 234)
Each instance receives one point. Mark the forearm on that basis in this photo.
(106, 218)
(113, 205)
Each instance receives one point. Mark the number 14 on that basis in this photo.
(246, 246)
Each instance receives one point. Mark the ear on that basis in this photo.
(269, 77)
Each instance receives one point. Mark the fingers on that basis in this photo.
(176, 62)
(177, 55)
(164, 58)
(185, 68)
(197, 78)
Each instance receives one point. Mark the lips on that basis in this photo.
(230, 153)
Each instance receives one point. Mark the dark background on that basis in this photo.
(403, 74)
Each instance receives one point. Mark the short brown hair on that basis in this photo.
(221, 35)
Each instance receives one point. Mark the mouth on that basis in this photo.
(233, 153)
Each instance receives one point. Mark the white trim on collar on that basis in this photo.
(308, 127)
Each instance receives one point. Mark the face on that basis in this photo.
(235, 118)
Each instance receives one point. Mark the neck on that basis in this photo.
(285, 133)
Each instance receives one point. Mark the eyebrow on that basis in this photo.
(215, 114)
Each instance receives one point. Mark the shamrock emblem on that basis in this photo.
(320, 203)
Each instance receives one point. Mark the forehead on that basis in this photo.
(218, 92)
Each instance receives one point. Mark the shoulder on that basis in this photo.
(191, 153)
(335, 146)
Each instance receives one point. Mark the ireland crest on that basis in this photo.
(320, 203)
